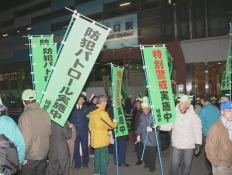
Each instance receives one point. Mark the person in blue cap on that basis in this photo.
(219, 142)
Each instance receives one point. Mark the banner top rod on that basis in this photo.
(28, 36)
(114, 65)
(78, 14)
(155, 45)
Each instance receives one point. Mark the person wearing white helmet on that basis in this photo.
(142, 131)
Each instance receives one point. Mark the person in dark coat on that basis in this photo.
(59, 154)
(79, 117)
(121, 144)
(128, 105)
(135, 121)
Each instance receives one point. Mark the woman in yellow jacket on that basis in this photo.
(99, 124)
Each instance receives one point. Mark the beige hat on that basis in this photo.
(223, 99)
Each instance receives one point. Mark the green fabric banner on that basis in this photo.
(159, 83)
(122, 129)
(225, 82)
(43, 56)
(124, 92)
(106, 83)
(75, 59)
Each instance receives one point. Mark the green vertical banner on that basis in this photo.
(43, 56)
(225, 82)
(159, 84)
(106, 83)
(75, 59)
(124, 91)
(122, 129)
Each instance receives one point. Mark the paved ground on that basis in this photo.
(198, 165)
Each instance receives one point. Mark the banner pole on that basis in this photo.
(152, 117)
(30, 54)
(115, 139)
(230, 66)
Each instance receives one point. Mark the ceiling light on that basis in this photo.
(5, 34)
(29, 28)
(18, 31)
(124, 4)
(219, 63)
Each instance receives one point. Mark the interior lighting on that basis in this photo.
(29, 28)
(124, 4)
(219, 63)
(5, 34)
(18, 31)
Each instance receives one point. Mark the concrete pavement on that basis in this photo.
(198, 165)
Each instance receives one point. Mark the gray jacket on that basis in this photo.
(142, 130)
(35, 126)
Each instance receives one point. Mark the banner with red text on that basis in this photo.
(159, 84)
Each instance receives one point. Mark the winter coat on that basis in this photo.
(218, 145)
(58, 143)
(186, 130)
(209, 114)
(99, 124)
(9, 128)
(144, 121)
(79, 117)
(35, 126)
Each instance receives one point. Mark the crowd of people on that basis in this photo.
(39, 146)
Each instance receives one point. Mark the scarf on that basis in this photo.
(228, 125)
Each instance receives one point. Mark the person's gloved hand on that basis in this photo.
(138, 138)
(153, 125)
(197, 149)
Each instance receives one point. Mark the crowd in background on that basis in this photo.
(40, 146)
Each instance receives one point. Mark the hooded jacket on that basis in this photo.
(186, 130)
(99, 124)
(9, 128)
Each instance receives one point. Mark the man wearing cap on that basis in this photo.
(186, 136)
(9, 128)
(223, 99)
(213, 100)
(144, 129)
(35, 125)
(219, 142)
(209, 114)
(79, 117)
